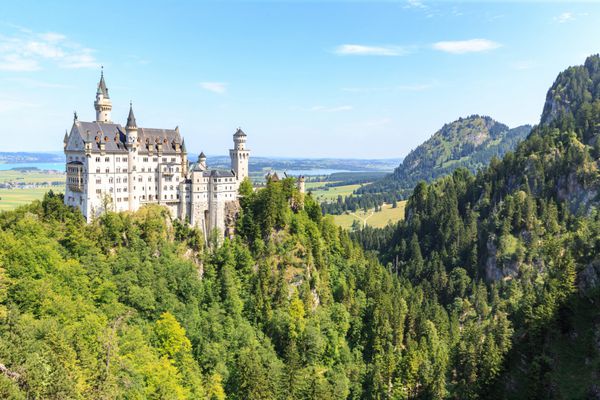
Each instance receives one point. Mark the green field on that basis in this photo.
(13, 198)
(333, 192)
(30, 177)
(375, 219)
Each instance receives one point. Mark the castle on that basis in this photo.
(111, 167)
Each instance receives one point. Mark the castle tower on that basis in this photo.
(131, 128)
(131, 132)
(103, 105)
(301, 184)
(202, 162)
(239, 155)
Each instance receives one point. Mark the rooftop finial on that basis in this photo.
(74, 116)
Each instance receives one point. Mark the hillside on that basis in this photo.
(525, 234)
(467, 142)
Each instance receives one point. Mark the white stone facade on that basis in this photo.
(111, 167)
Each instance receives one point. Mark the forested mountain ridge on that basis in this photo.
(527, 228)
(467, 142)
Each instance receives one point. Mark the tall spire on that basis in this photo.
(102, 85)
(131, 118)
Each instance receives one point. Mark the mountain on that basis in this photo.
(467, 142)
(521, 241)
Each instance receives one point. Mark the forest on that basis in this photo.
(489, 289)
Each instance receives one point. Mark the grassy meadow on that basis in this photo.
(377, 219)
(13, 198)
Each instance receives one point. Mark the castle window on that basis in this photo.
(139, 178)
(124, 180)
(125, 169)
(106, 159)
(171, 187)
(97, 159)
(118, 180)
(164, 159)
(155, 159)
(172, 159)
(150, 197)
(98, 170)
(118, 170)
(98, 181)
(149, 179)
(111, 190)
(145, 159)
(118, 159)
(143, 169)
(165, 187)
(98, 191)
(125, 189)
(107, 170)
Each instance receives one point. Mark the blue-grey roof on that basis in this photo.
(131, 118)
(114, 137)
(102, 86)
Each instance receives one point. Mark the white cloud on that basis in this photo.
(10, 105)
(414, 4)
(565, 17)
(33, 83)
(30, 51)
(16, 63)
(466, 46)
(215, 87)
(362, 50)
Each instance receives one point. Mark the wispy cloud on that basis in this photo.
(215, 87)
(363, 50)
(415, 4)
(10, 105)
(30, 51)
(34, 83)
(565, 17)
(466, 46)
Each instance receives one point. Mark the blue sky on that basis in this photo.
(303, 79)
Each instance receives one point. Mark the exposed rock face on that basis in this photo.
(589, 278)
(232, 210)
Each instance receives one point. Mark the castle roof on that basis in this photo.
(114, 137)
(239, 133)
(102, 86)
(202, 155)
(131, 118)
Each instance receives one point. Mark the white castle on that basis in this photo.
(111, 167)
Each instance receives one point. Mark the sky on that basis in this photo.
(302, 79)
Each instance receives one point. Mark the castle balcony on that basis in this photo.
(75, 176)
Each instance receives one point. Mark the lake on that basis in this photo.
(54, 166)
